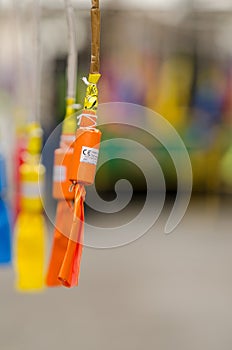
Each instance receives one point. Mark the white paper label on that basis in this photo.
(89, 155)
(59, 173)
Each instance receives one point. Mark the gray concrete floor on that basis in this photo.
(161, 292)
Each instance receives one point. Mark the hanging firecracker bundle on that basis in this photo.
(30, 228)
(62, 159)
(80, 161)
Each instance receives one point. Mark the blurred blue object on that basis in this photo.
(3, 181)
(5, 227)
(5, 234)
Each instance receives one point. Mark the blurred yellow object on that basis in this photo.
(175, 89)
(226, 168)
(30, 226)
(35, 138)
(69, 124)
(30, 251)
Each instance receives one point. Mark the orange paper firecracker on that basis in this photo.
(82, 172)
(86, 149)
(62, 159)
(61, 192)
(75, 167)
(61, 171)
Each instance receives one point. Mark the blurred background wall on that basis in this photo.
(163, 291)
(173, 57)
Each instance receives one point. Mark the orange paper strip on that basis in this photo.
(64, 218)
(70, 269)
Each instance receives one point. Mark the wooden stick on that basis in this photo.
(95, 46)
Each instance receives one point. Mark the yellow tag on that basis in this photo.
(94, 78)
(91, 98)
